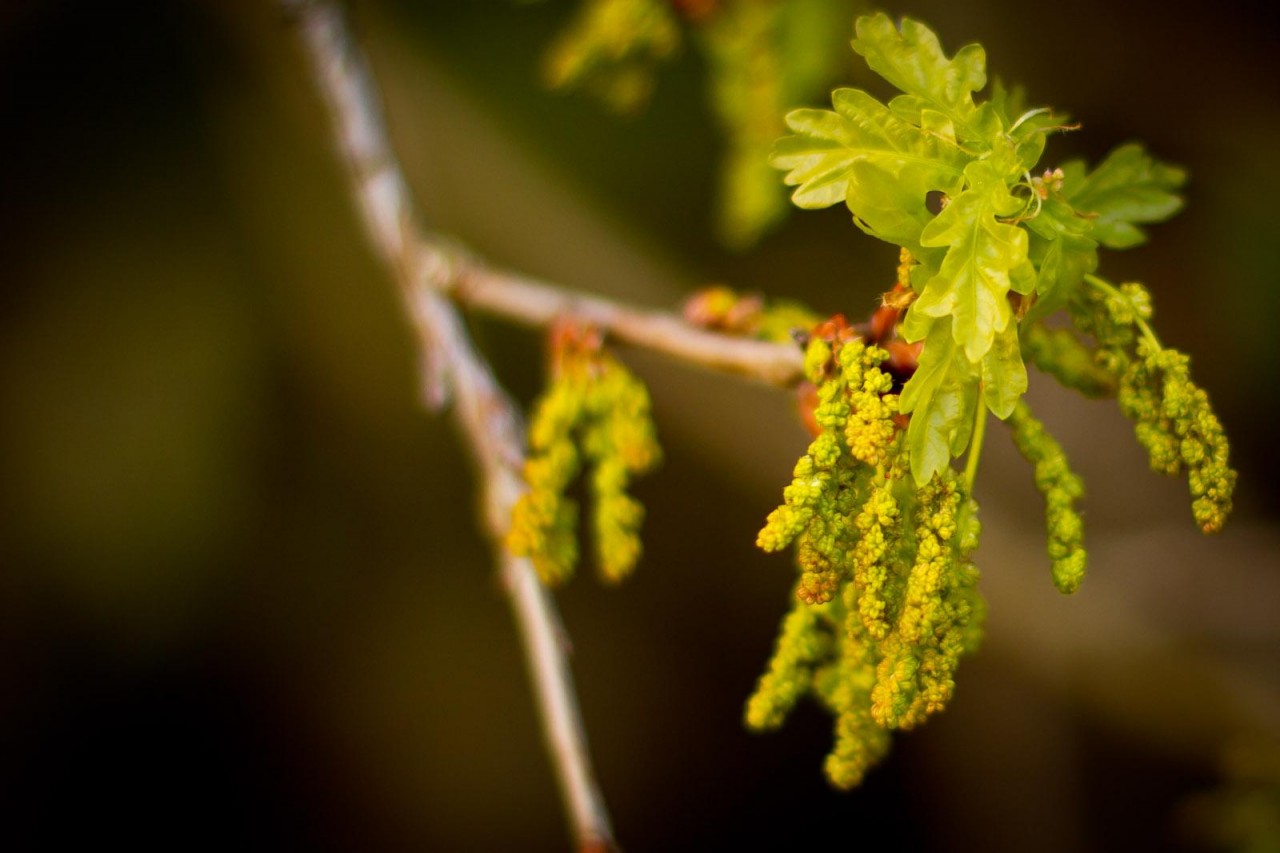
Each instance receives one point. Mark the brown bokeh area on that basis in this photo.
(243, 602)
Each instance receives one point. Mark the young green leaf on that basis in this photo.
(974, 280)
(912, 59)
(1127, 189)
(1004, 376)
(1028, 128)
(1063, 250)
(941, 397)
(879, 165)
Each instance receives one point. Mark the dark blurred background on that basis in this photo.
(242, 602)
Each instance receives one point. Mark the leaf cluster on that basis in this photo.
(886, 599)
(951, 179)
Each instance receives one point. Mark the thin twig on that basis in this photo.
(453, 370)
(529, 301)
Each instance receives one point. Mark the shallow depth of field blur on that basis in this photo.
(243, 602)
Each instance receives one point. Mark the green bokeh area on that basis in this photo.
(243, 604)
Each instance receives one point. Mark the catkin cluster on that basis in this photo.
(886, 601)
(1173, 419)
(594, 414)
(1061, 488)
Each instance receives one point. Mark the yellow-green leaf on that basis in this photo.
(941, 397)
(974, 280)
(1128, 189)
(880, 166)
(911, 58)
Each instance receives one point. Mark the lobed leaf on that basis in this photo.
(1028, 128)
(1127, 189)
(1004, 375)
(1063, 250)
(881, 166)
(941, 398)
(978, 271)
(911, 58)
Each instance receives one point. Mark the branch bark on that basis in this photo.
(453, 370)
(529, 301)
